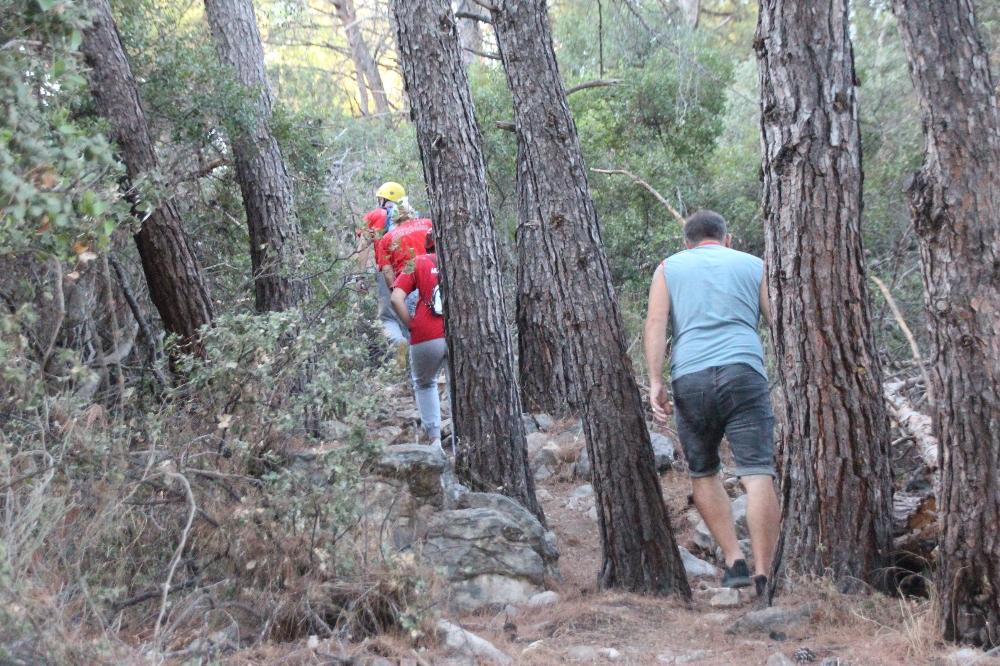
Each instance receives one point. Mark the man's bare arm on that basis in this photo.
(389, 275)
(398, 300)
(655, 343)
(765, 301)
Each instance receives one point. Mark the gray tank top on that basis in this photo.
(714, 309)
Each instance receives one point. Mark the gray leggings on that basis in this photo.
(426, 361)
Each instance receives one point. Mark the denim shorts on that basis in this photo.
(731, 400)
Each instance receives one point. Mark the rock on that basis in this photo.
(697, 567)
(778, 659)
(663, 451)
(582, 469)
(547, 456)
(542, 495)
(833, 661)
(610, 654)
(774, 618)
(465, 642)
(535, 442)
(592, 514)
(740, 516)
(491, 550)
(967, 657)
(545, 422)
(543, 599)
(530, 427)
(725, 597)
(582, 498)
(717, 618)
(420, 467)
(543, 472)
(576, 428)
(389, 434)
(334, 429)
(670, 658)
(582, 653)
(702, 537)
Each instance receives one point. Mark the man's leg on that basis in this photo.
(763, 520)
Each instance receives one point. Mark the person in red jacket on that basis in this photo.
(428, 349)
(369, 237)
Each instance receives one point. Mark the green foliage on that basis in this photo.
(57, 173)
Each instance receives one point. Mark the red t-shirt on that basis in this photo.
(402, 244)
(425, 325)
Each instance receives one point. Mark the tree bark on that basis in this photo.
(547, 380)
(834, 439)
(173, 273)
(276, 252)
(955, 203)
(470, 36)
(492, 453)
(365, 67)
(639, 552)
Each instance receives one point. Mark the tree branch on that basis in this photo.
(649, 188)
(596, 83)
(472, 16)
(483, 54)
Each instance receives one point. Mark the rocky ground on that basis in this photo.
(504, 597)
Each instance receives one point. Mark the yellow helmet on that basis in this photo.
(391, 191)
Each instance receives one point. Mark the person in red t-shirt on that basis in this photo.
(400, 246)
(428, 349)
(369, 236)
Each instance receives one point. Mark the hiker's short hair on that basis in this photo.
(705, 225)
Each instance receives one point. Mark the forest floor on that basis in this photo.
(590, 625)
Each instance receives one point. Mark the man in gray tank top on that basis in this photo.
(713, 296)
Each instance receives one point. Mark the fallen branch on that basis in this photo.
(472, 16)
(917, 425)
(649, 188)
(917, 356)
(482, 54)
(177, 553)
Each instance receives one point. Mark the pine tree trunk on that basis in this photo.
(176, 283)
(276, 253)
(369, 79)
(955, 202)
(492, 453)
(547, 382)
(639, 552)
(834, 436)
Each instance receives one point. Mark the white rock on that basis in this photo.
(592, 514)
(778, 659)
(695, 566)
(967, 657)
(543, 472)
(725, 597)
(543, 599)
(582, 653)
(466, 642)
(610, 654)
(313, 642)
(543, 495)
(532, 647)
(586, 490)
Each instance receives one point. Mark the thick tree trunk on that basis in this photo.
(547, 381)
(834, 442)
(638, 547)
(369, 79)
(173, 273)
(492, 453)
(276, 252)
(955, 201)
